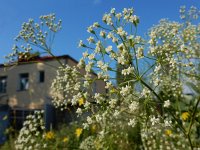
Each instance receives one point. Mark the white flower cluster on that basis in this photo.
(88, 143)
(173, 43)
(35, 35)
(192, 14)
(175, 46)
(70, 87)
(154, 120)
(166, 103)
(127, 71)
(160, 136)
(66, 87)
(144, 94)
(118, 36)
(31, 132)
(125, 90)
(134, 106)
(98, 57)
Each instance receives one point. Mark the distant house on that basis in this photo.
(26, 87)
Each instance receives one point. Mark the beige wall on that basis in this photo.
(37, 94)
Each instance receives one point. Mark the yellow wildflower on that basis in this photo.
(97, 144)
(81, 101)
(78, 132)
(185, 116)
(113, 90)
(49, 135)
(93, 128)
(5, 117)
(65, 139)
(168, 132)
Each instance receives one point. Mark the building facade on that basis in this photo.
(26, 87)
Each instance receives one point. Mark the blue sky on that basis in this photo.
(77, 15)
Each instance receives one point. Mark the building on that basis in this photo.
(26, 87)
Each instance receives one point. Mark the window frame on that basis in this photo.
(3, 86)
(19, 115)
(41, 79)
(21, 86)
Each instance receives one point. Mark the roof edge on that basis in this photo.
(38, 59)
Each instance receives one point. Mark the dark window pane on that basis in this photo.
(24, 81)
(3, 84)
(28, 112)
(19, 113)
(41, 76)
(12, 113)
(19, 123)
(17, 117)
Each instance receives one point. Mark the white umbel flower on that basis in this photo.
(125, 90)
(166, 103)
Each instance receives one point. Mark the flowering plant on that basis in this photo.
(31, 132)
(148, 99)
(146, 105)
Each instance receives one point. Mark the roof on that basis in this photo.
(46, 58)
(40, 59)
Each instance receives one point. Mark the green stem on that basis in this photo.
(145, 84)
(49, 51)
(136, 59)
(161, 100)
(191, 146)
(148, 70)
(193, 116)
(191, 123)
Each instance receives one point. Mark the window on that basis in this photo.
(24, 81)
(3, 84)
(41, 76)
(18, 116)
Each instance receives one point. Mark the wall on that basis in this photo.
(38, 93)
